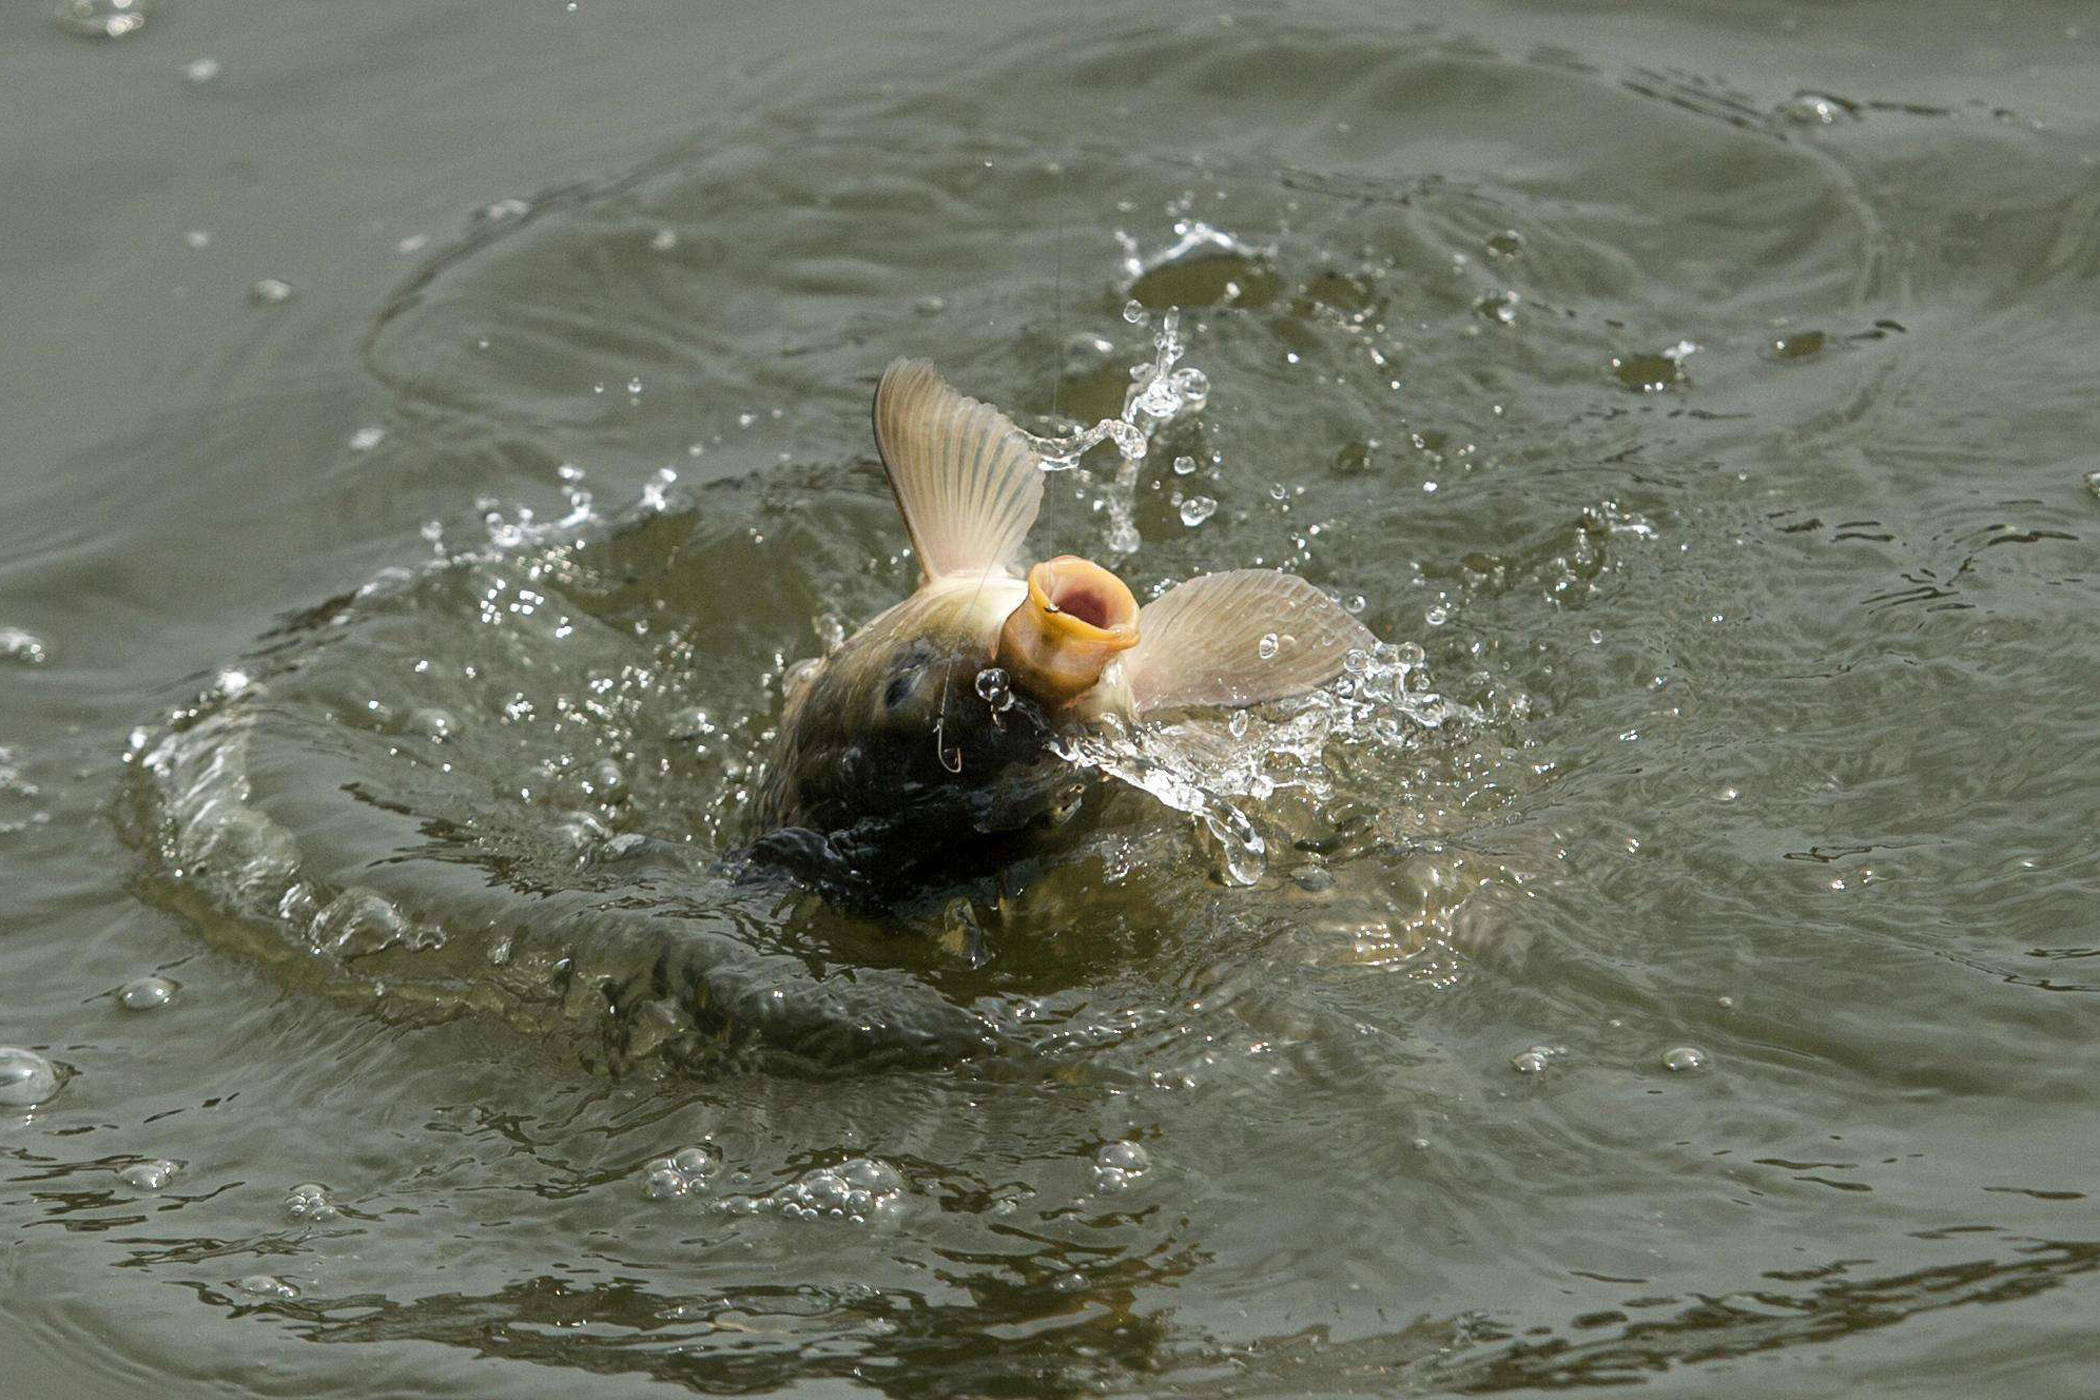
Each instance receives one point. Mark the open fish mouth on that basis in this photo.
(1081, 591)
(1076, 619)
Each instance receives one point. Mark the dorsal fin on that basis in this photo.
(1201, 642)
(966, 481)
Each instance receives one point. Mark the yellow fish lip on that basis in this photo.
(1076, 618)
(1082, 602)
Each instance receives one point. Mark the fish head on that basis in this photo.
(1076, 619)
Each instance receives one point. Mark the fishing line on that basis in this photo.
(1057, 383)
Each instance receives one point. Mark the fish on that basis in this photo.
(930, 741)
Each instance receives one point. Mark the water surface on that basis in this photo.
(434, 435)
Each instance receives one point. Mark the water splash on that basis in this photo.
(1162, 389)
(1223, 772)
(1193, 239)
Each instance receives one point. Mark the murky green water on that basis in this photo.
(432, 433)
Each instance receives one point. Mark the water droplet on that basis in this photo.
(1506, 244)
(201, 70)
(146, 993)
(1266, 648)
(1197, 509)
(26, 1077)
(102, 19)
(1124, 539)
(1134, 312)
(1799, 346)
(266, 1286)
(608, 783)
(365, 439)
(1531, 1061)
(930, 306)
(831, 631)
(634, 385)
(664, 240)
(270, 291)
(149, 1176)
(1684, 1057)
(309, 1201)
(1238, 724)
(1811, 109)
(1436, 616)
(503, 211)
(2092, 484)
(1648, 374)
(995, 688)
(962, 936)
(198, 238)
(1499, 307)
(23, 647)
(1183, 466)
(1279, 492)
(430, 722)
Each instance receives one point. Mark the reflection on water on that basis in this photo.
(1659, 960)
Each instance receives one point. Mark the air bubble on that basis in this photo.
(26, 1078)
(356, 922)
(22, 647)
(150, 1176)
(1810, 109)
(266, 1286)
(146, 993)
(1267, 647)
(854, 1192)
(1128, 1157)
(1683, 1058)
(270, 291)
(102, 19)
(1533, 1060)
(668, 1178)
(309, 1201)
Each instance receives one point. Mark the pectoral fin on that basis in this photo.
(966, 482)
(1203, 642)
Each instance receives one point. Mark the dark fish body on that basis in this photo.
(893, 768)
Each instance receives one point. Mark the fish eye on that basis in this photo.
(899, 690)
